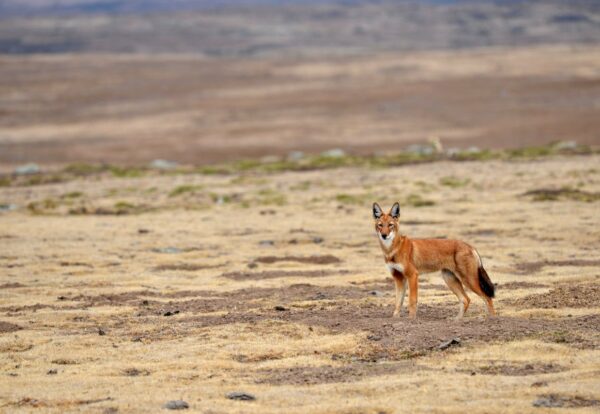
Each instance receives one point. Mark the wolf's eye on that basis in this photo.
(379, 225)
(391, 226)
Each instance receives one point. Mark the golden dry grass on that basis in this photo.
(335, 348)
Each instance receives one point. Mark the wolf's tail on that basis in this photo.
(485, 283)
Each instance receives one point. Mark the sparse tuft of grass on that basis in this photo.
(126, 172)
(268, 196)
(358, 199)
(565, 193)
(183, 189)
(454, 182)
(415, 200)
(72, 194)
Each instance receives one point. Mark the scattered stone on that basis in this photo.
(549, 401)
(163, 164)
(169, 313)
(565, 145)
(448, 344)
(376, 293)
(419, 149)
(295, 156)
(52, 372)
(143, 231)
(8, 207)
(318, 240)
(374, 338)
(268, 212)
(538, 384)
(252, 265)
(145, 302)
(168, 250)
(241, 396)
(28, 169)
(101, 332)
(334, 153)
(134, 372)
(62, 298)
(176, 405)
(280, 308)
(266, 243)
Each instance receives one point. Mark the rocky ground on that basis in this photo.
(257, 291)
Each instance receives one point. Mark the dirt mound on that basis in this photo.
(567, 296)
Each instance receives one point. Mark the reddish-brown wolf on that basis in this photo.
(405, 258)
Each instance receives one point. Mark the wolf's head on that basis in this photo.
(386, 225)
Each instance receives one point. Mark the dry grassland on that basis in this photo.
(120, 294)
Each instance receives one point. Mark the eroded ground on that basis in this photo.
(120, 294)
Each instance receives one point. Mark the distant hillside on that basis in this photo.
(290, 27)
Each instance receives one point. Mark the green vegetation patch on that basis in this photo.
(565, 193)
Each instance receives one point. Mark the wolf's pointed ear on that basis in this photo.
(377, 211)
(395, 211)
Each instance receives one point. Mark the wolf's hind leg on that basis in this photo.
(457, 288)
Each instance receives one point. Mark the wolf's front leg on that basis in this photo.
(413, 285)
(400, 282)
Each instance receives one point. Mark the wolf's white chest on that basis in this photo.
(395, 266)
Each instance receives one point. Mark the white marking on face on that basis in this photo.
(387, 242)
(395, 266)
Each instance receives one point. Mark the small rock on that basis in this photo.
(62, 298)
(280, 308)
(266, 243)
(168, 250)
(28, 169)
(318, 240)
(376, 293)
(448, 344)
(145, 302)
(538, 384)
(295, 156)
(52, 372)
(169, 313)
(7, 207)
(549, 401)
(101, 332)
(252, 265)
(374, 338)
(334, 153)
(565, 145)
(176, 405)
(419, 149)
(163, 164)
(143, 231)
(241, 396)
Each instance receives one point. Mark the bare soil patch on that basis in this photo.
(8, 327)
(532, 267)
(521, 285)
(189, 267)
(502, 368)
(275, 274)
(569, 296)
(332, 374)
(324, 259)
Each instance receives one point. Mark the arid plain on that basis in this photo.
(125, 287)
